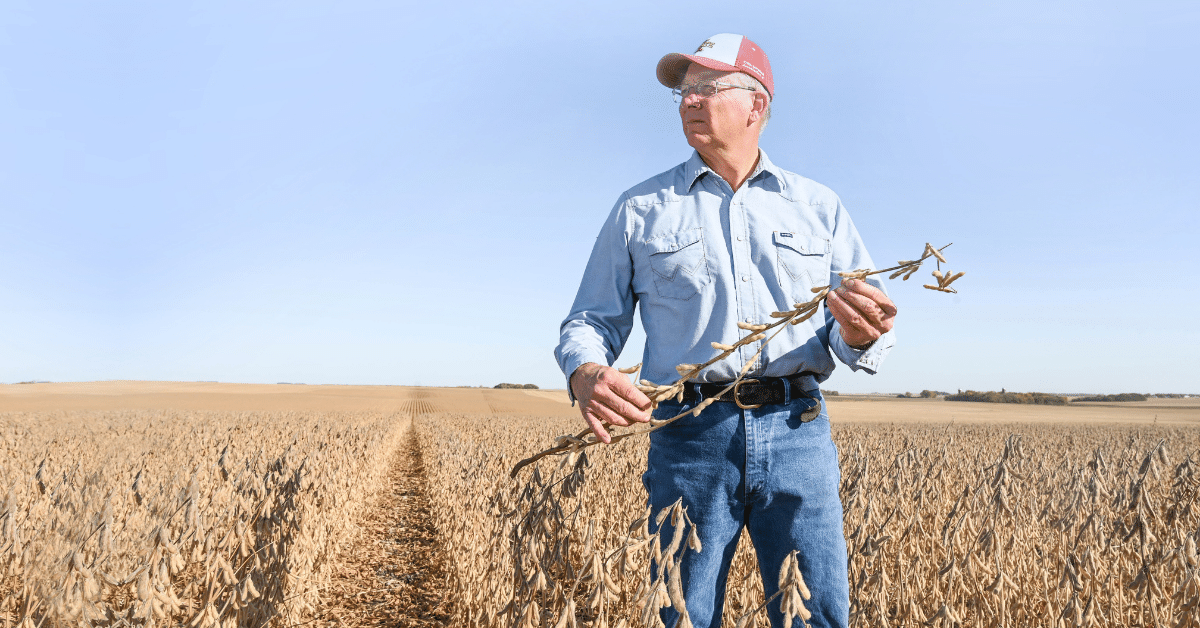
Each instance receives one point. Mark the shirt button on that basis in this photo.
(739, 238)
(745, 278)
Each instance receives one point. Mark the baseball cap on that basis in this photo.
(725, 52)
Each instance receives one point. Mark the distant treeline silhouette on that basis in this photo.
(525, 386)
(925, 394)
(1009, 397)
(1120, 397)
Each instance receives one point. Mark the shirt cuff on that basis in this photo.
(571, 363)
(867, 359)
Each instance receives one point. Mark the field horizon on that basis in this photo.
(875, 407)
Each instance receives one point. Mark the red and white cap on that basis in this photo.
(725, 52)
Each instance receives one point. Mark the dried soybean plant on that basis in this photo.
(540, 542)
(543, 522)
(555, 550)
(1086, 527)
(1068, 523)
(210, 519)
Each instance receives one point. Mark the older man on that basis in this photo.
(724, 237)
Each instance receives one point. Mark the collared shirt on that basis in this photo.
(699, 257)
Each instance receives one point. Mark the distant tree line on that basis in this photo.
(990, 396)
(526, 386)
(1035, 398)
(1120, 397)
(925, 394)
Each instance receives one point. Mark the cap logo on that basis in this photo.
(706, 44)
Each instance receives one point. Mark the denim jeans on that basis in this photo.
(763, 469)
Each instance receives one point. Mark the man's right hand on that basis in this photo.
(607, 396)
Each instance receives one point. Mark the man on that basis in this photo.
(727, 236)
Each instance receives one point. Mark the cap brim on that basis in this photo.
(672, 67)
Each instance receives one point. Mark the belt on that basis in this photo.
(751, 393)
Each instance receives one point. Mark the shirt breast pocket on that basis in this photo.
(679, 264)
(803, 263)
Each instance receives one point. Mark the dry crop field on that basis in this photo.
(207, 504)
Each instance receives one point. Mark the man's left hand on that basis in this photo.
(864, 312)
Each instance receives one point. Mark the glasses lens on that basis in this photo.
(704, 89)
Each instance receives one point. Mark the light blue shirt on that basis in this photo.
(699, 257)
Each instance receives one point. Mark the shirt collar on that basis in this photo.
(695, 167)
(765, 165)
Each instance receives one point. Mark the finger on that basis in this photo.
(851, 320)
(610, 414)
(878, 315)
(622, 412)
(865, 307)
(874, 294)
(621, 385)
(620, 395)
(632, 395)
(841, 311)
(597, 428)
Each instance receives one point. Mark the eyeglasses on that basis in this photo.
(705, 89)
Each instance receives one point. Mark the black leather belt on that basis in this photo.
(751, 393)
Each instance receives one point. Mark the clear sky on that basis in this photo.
(406, 193)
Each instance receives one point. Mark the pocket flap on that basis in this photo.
(673, 242)
(802, 244)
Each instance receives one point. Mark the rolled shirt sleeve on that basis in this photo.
(867, 359)
(849, 253)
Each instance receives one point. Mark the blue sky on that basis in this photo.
(387, 193)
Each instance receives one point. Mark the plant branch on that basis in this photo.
(801, 312)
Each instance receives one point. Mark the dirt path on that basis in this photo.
(392, 576)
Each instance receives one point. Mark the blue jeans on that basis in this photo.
(763, 469)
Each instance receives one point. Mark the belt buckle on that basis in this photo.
(738, 400)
